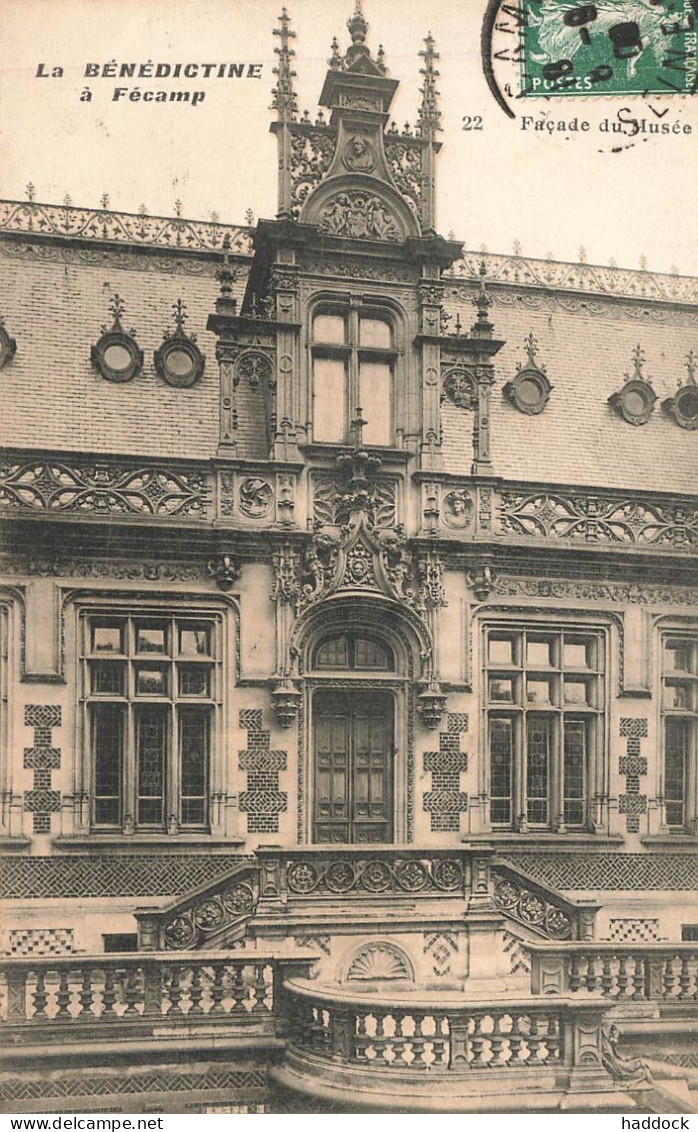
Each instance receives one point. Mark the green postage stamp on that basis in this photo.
(609, 47)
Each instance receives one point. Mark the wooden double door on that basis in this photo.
(353, 749)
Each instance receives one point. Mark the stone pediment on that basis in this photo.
(359, 558)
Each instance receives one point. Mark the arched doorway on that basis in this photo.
(353, 743)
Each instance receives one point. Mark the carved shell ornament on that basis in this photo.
(379, 961)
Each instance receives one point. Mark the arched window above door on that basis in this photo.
(353, 652)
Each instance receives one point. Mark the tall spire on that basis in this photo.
(284, 100)
(429, 117)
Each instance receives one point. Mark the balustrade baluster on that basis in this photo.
(639, 977)
(361, 1038)
(175, 991)
(260, 989)
(477, 1041)
(534, 1040)
(516, 1041)
(109, 995)
(63, 994)
(607, 979)
(196, 991)
(669, 978)
(40, 996)
(87, 992)
(438, 1041)
(131, 990)
(418, 1043)
(217, 990)
(17, 994)
(238, 989)
(553, 1038)
(379, 1041)
(496, 1043)
(596, 983)
(622, 979)
(153, 990)
(685, 979)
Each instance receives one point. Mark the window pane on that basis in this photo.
(328, 399)
(107, 677)
(194, 680)
(329, 328)
(539, 691)
(333, 653)
(151, 733)
(577, 691)
(576, 654)
(195, 640)
(538, 654)
(151, 638)
(501, 651)
(538, 739)
(375, 387)
(107, 730)
(574, 772)
(193, 755)
(375, 332)
(151, 681)
(369, 654)
(678, 656)
(501, 771)
(677, 735)
(108, 638)
(501, 690)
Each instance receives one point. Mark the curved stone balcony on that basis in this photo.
(404, 1051)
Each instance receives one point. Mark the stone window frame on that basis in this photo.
(683, 821)
(352, 308)
(597, 755)
(180, 607)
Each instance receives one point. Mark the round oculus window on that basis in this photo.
(180, 362)
(686, 406)
(635, 401)
(117, 356)
(529, 391)
(8, 346)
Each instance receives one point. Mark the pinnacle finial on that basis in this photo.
(225, 274)
(284, 95)
(429, 117)
(691, 367)
(116, 309)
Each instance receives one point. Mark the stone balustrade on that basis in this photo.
(659, 972)
(43, 994)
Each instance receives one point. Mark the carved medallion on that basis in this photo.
(458, 509)
(256, 497)
(358, 155)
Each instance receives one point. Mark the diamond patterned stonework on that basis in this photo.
(445, 802)
(42, 758)
(632, 765)
(262, 801)
(40, 941)
(634, 930)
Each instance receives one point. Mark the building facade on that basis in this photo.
(348, 629)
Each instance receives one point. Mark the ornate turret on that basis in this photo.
(387, 186)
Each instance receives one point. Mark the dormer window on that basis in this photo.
(353, 361)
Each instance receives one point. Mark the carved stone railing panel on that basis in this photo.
(582, 516)
(212, 915)
(663, 973)
(385, 874)
(542, 910)
(405, 158)
(103, 486)
(122, 227)
(390, 1036)
(589, 278)
(332, 505)
(104, 990)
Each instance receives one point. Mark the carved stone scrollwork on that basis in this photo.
(532, 909)
(254, 367)
(311, 154)
(599, 518)
(405, 163)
